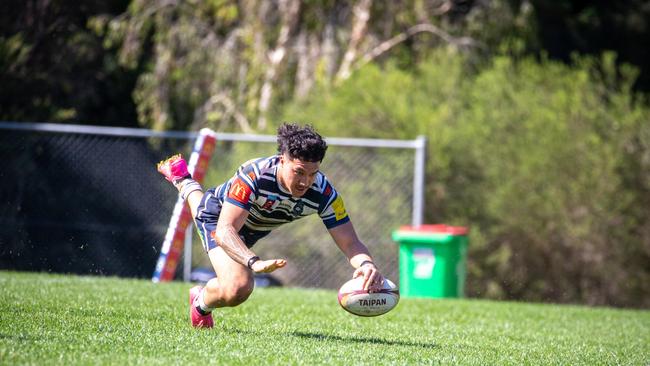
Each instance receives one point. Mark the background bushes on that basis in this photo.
(546, 162)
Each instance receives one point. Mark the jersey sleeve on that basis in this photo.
(332, 209)
(243, 186)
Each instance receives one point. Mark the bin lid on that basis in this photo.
(434, 229)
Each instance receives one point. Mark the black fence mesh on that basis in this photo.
(80, 203)
(94, 204)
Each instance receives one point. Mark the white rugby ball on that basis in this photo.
(354, 299)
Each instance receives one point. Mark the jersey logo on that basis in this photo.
(297, 208)
(339, 208)
(239, 191)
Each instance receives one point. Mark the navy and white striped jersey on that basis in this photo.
(255, 188)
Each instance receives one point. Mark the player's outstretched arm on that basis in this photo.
(358, 254)
(231, 220)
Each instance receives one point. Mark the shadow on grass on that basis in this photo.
(336, 338)
(371, 340)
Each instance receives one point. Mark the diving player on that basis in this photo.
(264, 194)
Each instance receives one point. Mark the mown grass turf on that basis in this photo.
(68, 320)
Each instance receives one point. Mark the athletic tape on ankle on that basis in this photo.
(189, 186)
(200, 301)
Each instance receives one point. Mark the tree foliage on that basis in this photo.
(53, 68)
(232, 65)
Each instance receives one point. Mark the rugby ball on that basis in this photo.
(354, 299)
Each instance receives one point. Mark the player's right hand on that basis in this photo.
(372, 279)
(268, 266)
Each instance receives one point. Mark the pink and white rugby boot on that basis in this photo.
(174, 169)
(199, 320)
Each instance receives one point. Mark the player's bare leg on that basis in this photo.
(193, 200)
(232, 286)
(174, 169)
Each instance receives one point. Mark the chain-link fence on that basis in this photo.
(82, 202)
(89, 200)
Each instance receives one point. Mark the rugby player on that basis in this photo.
(263, 194)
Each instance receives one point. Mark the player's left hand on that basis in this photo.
(268, 266)
(372, 279)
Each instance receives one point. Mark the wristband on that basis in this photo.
(251, 261)
(367, 262)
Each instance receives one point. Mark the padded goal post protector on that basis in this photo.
(181, 217)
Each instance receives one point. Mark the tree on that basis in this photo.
(232, 65)
(546, 163)
(592, 27)
(53, 68)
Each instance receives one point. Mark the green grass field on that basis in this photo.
(69, 320)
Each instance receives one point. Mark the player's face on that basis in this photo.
(296, 175)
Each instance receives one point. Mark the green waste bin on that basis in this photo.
(432, 260)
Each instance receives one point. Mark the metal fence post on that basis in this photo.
(418, 180)
(187, 254)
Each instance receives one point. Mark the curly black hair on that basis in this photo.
(301, 142)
